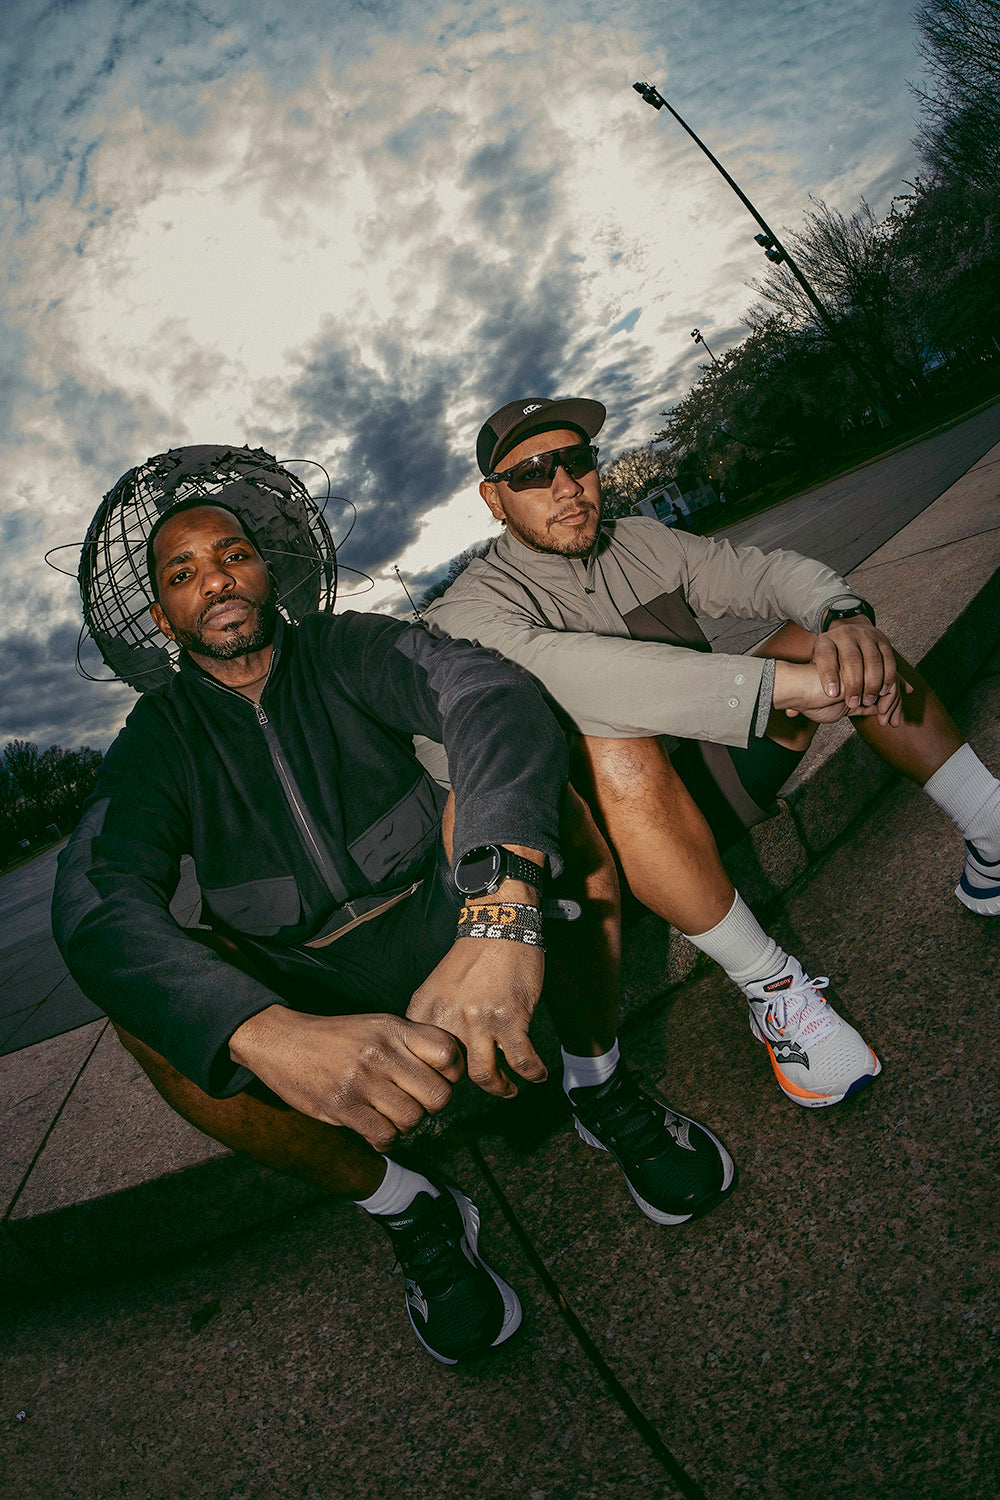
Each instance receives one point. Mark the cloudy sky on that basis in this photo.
(350, 229)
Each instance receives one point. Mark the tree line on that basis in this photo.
(42, 792)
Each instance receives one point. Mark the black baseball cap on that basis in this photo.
(518, 419)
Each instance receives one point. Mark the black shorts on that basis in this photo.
(761, 770)
(375, 966)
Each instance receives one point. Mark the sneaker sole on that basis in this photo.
(803, 1096)
(988, 905)
(511, 1302)
(656, 1214)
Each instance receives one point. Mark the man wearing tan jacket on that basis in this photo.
(679, 747)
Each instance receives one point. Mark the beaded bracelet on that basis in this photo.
(509, 920)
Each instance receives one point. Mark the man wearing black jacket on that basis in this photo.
(341, 986)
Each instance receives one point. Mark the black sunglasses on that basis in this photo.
(538, 472)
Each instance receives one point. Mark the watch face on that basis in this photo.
(477, 870)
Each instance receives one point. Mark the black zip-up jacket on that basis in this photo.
(297, 812)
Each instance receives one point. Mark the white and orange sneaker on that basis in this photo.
(817, 1057)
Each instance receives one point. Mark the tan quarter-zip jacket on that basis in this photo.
(593, 631)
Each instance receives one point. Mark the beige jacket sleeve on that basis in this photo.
(612, 686)
(753, 585)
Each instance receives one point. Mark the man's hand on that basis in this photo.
(799, 690)
(484, 991)
(856, 662)
(375, 1074)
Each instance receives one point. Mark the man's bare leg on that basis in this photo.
(667, 850)
(583, 975)
(327, 1156)
(925, 745)
(672, 863)
(926, 738)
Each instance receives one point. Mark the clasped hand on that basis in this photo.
(379, 1075)
(375, 1074)
(857, 665)
(852, 672)
(484, 992)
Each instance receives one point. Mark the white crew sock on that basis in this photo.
(589, 1072)
(741, 946)
(397, 1190)
(965, 790)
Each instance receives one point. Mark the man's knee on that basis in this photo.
(628, 770)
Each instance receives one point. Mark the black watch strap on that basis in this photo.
(862, 607)
(471, 877)
(516, 867)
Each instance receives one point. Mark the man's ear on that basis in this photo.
(162, 623)
(491, 495)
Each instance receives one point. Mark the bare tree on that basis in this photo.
(457, 565)
(852, 263)
(960, 47)
(633, 475)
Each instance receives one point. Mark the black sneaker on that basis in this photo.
(458, 1305)
(674, 1167)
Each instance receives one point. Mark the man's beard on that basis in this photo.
(542, 541)
(240, 642)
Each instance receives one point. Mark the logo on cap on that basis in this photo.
(526, 409)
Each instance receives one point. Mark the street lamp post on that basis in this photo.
(699, 338)
(769, 243)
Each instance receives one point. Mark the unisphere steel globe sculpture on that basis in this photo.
(114, 588)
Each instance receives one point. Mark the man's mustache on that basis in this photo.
(571, 510)
(221, 603)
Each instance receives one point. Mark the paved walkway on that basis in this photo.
(38, 999)
(826, 1332)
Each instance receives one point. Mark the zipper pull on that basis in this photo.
(262, 718)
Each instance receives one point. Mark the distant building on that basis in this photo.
(673, 505)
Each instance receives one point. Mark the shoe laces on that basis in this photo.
(429, 1249)
(801, 1011)
(625, 1118)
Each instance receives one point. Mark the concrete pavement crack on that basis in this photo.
(636, 1418)
(52, 1125)
(868, 565)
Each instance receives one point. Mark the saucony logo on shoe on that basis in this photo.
(818, 1058)
(647, 1140)
(457, 1304)
(680, 1129)
(416, 1301)
(788, 1052)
